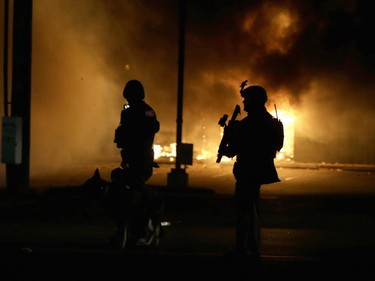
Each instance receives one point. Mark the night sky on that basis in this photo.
(315, 59)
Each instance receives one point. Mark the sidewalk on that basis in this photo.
(334, 166)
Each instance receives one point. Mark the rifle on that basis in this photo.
(228, 131)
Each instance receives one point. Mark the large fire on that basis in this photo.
(288, 118)
(168, 152)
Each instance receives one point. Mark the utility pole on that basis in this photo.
(5, 55)
(178, 178)
(18, 173)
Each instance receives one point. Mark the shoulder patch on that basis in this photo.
(150, 113)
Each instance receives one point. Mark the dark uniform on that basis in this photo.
(136, 132)
(257, 139)
(135, 137)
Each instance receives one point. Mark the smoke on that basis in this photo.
(315, 57)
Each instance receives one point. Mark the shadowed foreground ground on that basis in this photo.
(60, 234)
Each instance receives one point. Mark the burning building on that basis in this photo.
(315, 58)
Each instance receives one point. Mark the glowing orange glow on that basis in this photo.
(166, 152)
(272, 27)
(287, 116)
(314, 59)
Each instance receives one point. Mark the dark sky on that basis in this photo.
(315, 58)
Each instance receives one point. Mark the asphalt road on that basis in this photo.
(316, 223)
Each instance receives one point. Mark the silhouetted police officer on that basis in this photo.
(136, 132)
(257, 139)
(135, 137)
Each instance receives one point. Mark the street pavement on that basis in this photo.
(317, 224)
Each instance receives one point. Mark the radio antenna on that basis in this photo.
(276, 111)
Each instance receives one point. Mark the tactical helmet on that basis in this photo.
(134, 90)
(256, 93)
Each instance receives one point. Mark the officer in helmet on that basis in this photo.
(136, 132)
(255, 145)
(135, 137)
